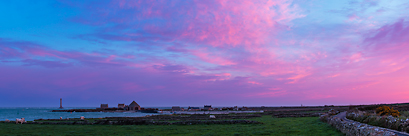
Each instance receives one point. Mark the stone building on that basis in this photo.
(207, 107)
(193, 108)
(176, 108)
(134, 106)
(103, 106)
(121, 106)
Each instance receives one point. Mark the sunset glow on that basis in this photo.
(196, 52)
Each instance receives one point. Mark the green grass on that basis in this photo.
(404, 114)
(306, 126)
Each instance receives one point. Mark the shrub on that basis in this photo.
(385, 110)
(383, 122)
(361, 118)
(324, 118)
(375, 122)
(368, 107)
(404, 114)
(407, 129)
(367, 120)
(370, 119)
(395, 125)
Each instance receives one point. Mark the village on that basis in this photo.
(135, 107)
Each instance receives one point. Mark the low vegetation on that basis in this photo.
(404, 114)
(386, 110)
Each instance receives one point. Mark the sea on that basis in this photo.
(32, 113)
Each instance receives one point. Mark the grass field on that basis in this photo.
(307, 126)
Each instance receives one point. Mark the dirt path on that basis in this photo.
(343, 115)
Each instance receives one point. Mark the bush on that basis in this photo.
(385, 110)
(368, 107)
(383, 122)
(404, 114)
(407, 129)
(361, 118)
(395, 125)
(375, 122)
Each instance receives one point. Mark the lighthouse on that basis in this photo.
(61, 103)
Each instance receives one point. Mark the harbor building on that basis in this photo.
(207, 107)
(176, 108)
(103, 106)
(121, 106)
(134, 106)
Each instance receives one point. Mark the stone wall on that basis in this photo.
(296, 114)
(354, 128)
(382, 121)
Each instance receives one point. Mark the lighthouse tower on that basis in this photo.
(61, 103)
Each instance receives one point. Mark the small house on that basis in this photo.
(176, 108)
(193, 108)
(103, 106)
(121, 106)
(207, 107)
(134, 106)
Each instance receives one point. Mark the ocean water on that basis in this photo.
(31, 113)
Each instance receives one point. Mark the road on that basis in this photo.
(343, 116)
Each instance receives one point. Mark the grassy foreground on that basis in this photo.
(272, 126)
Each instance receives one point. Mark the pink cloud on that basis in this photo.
(270, 94)
(254, 83)
(213, 58)
(334, 75)
(216, 23)
(319, 96)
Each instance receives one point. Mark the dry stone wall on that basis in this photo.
(352, 128)
(382, 121)
(302, 114)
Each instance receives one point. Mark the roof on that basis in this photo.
(134, 104)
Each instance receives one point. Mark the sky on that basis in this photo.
(203, 52)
